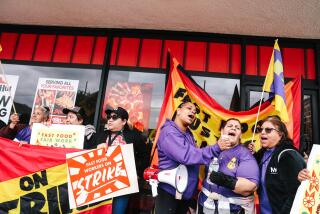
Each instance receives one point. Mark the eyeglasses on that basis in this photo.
(113, 117)
(267, 130)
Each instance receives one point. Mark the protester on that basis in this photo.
(22, 132)
(280, 164)
(119, 133)
(176, 146)
(236, 176)
(77, 116)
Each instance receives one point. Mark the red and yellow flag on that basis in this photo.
(210, 114)
(33, 179)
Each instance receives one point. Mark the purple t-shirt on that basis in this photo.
(236, 162)
(265, 207)
(176, 147)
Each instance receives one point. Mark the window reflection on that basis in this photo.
(224, 91)
(89, 80)
(141, 94)
(255, 97)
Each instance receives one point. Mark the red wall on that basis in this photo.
(151, 53)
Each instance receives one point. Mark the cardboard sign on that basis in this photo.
(57, 94)
(100, 174)
(307, 198)
(65, 136)
(7, 92)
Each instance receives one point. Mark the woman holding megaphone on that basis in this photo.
(176, 146)
(230, 185)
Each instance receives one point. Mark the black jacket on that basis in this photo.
(281, 176)
(139, 147)
(89, 137)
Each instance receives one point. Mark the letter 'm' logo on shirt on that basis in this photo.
(273, 170)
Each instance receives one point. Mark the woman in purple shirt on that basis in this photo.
(236, 176)
(176, 146)
(279, 164)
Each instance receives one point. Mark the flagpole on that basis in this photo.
(6, 82)
(255, 124)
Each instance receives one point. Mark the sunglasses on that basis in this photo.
(267, 130)
(113, 117)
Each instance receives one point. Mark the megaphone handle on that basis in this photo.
(154, 187)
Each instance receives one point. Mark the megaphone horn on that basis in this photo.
(177, 177)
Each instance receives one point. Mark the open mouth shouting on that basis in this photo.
(231, 133)
(191, 117)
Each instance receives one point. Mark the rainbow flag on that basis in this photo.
(274, 83)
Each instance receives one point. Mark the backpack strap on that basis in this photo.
(279, 156)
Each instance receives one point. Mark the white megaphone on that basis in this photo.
(177, 177)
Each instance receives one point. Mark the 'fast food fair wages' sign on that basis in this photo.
(65, 136)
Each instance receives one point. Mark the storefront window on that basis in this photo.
(141, 94)
(255, 97)
(224, 91)
(84, 83)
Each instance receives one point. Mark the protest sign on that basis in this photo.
(57, 94)
(33, 179)
(101, 174)
(64, 136)
(307, 199)
(7, 91)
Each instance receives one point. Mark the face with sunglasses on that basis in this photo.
(270, 135)
(115, 123)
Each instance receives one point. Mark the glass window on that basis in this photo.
(87, 91)
(255, 97)
(141, 94)
(224, 91)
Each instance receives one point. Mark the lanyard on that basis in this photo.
(115, 136)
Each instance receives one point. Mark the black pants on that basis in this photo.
(167, 204)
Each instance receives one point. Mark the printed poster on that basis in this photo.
(57, 94)
(7, 92)
(56, 135)
(134, 97)
(307, 200)
(100, 174)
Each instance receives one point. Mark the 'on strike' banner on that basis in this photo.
(33, 179)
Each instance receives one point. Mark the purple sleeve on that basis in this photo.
(181, 149)
(249, 169)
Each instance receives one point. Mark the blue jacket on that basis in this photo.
(176, 147)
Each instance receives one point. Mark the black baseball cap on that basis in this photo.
(77, 110)
(121, 112)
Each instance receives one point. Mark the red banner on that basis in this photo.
(33, 179)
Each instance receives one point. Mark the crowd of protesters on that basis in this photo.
(235, 171)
